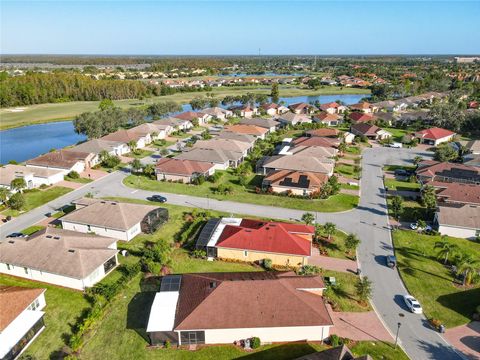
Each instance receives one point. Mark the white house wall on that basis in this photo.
(457, 232)
(50, 180)
(103, 231)
(273, 334)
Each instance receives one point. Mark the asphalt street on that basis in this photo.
(369, 221)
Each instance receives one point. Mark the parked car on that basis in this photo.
(414, 226)
(16, 235)
(412, 304)
(157, 198)
(391, 261)
(396, 145)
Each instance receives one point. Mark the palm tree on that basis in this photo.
(468, 265)
(308, 218)
(351, 242)
(342, 147)
(132, 144)
(446, 249)
(136, 165)
(18, 184)
(4, 194)
(364, 289)
(329, 229)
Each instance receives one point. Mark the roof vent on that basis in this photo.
(213, 284)
(11, 242)
(49, 236)
(102, 202)
(267, 228)
(71, 250)
(56, 237)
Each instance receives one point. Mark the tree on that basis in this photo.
(275, 94)
(308, 218)
(351, 242)
(136, 116)
(136, 165)
(422, 224)
(4, 194)
(445, 152)
(417, 159)
(429, 197)
(468, 265)
(18, 184)
(397, 206)
(132, 144)
(16, 201)
(329, 228)
(149, 170)
(342, 147)
(445, 249)
(364, 289)
(106, 104)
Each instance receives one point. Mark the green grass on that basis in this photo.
(139, 154)
(396, 167)
(35, 198)
(79, 180)
(42, 113)
(400, 185)
(378, 350)
(430, 281)
(340, 202)
(32, 229)
(347, 170)
(412, 211)
(343, 293)
(336, 246)
(397, 134)
(349, 187)
(353, 150)
(63, 306)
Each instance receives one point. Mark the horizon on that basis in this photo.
(232, 28)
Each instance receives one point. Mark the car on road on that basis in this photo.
(412, 304)
(16, 235)
(157, 198)
(414, 226)
(391, 261)
(396, 145)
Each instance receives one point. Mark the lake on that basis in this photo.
(27, 142)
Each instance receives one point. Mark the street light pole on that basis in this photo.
(398, 330)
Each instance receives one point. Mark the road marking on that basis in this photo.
(134, 191)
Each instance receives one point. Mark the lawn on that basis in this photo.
(139, 154)
(32, 229)
(63, 306)
(35, 198)
(430, 281)
(336, 246)
(348, 170)
(400, 185)
(343, 293)
(339, 202)
(412, 211)
(79, 180)
(42, 113)
(397, 134)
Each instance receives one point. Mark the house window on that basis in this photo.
(89, 228)
(35, 305)
(26, 270)
(192, 337)
(477, 233)
(245, 253)
(109, 264)
(8, 267)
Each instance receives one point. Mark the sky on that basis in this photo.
(240, 27)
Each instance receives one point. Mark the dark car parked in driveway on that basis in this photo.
(157, 198)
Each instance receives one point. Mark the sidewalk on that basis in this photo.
(331, 263)
(466, 338)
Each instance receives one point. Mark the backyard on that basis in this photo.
(430, 281)
(245, 194)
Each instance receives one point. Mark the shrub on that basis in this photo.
(335, 340)
(168, 344)
(267, 264)
(223, 189)
(73, 175)
(16, 201)
(215, 177)
(199, 254)
(309, 270)
(255, 342)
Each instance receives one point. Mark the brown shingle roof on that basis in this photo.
(123, 136)
(299, 162)
(296, 179)
(365, 129)
(467, 216)
(58, 251)
(63, 159)
(263, 123)
(458, 192)
(182, 167)
(13, 301)
(328, 132)
(247, 129)
(316, 141)
(223, 144)
(249, 300)
(110, 214)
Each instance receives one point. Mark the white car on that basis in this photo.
(412, 304)
(414, 226)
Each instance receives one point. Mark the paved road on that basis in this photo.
(369, 221)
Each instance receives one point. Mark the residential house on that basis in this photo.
(317, 141)
(434, 136)
(341, 352)
(429, 171)
(246, 111)
(256, 131)
(323, 132)
(175, 124)
(302, 108)
(294, 182)
(184, 171)
(329, 119)
(97, 146)
(59, 257)
(118, 220)
(359, 117)
(253, 241)
(63, 160)
(224, 308)
(126, 136)
(236, 136)
(21, 318)
(471, 160)
(391, 106)
(461, 222)
(156, 131)
(223, 144)
(270, 108)
(269, 124)
(290, 118)
(364, 107)
(201, 117)
(386, 117)
(296, 162)
(218, 113)
(457, 193)
(219, 158)
(333, 108)
(408, 117)
(370, 131)
(34, 177)
(348, 137)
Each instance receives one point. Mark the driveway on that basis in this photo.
(466, 338)
(369, 221)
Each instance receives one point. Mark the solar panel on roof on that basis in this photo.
(207, 232)
(171, 283)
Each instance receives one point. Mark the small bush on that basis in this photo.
(267, 264)
(335, 340)
(199, 254)
(255, 342)
(168, 344)
(73, 175)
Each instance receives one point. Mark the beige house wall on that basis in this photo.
(252, 256)
(168, 177)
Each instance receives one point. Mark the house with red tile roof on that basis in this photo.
(170, 169)
(333, 108)
(257, 131)
(359, 117)
(302, 108)
(245, 110)
(222, 308)
(363, 106)
(457, 193)
(370, 131)
(435, 171)
(253, 241)
(434, 136)
(329, 119)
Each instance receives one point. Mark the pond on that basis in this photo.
(27, 142)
